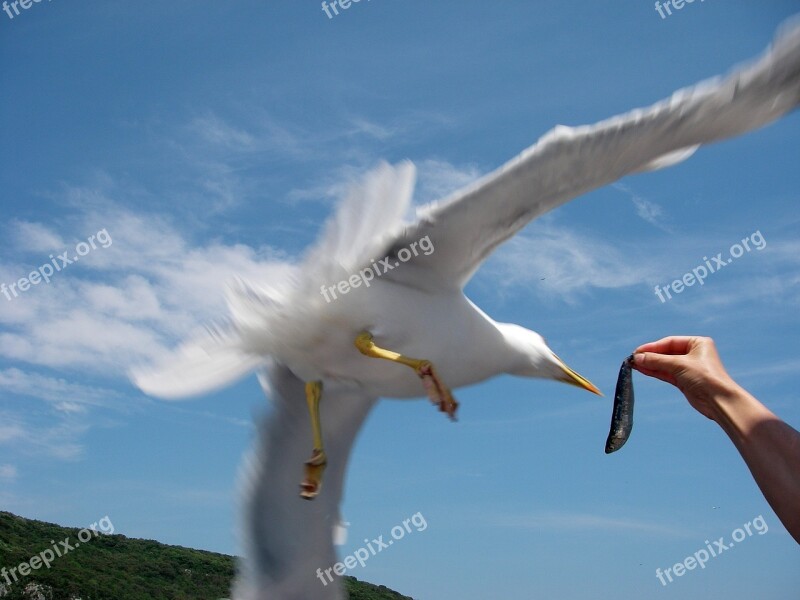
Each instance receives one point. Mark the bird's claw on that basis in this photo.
(315, 466)
(437, 391)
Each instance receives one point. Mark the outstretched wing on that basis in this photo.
(286, 539)
(567, 162)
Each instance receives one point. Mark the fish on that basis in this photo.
(622, 414)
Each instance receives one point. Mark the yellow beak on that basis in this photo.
(573, 378)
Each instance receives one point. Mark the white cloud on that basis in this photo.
(583, 522)
(333, 185)
(363, 126)
(437, 179)
(555, 260)
(59, 440)
(646, 209)
(8, 472)
(11, 432)
(128, 303)
(552, 260)
(36, 237)
(788, 367)
(768, 277)
(215, 131)
(261, 134)
(60, 394)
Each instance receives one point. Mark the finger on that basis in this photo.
(674, 344)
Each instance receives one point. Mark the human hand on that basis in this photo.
(691, 364)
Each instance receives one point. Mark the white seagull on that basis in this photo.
(378, 304)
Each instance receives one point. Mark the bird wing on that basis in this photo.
(287, 538)
(369, 217)
(207, 362)
(569, 161)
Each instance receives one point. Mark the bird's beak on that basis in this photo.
(573, 378)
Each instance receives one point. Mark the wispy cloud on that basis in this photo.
(788, 367)
(8, 472)
(555, 260)
(127, 304)
(646, 209)
(171, 407)
(59, 440)
(438, 178)
(10, 430)
(35, 237)
(217, 132)
(552, 260)
(62, 395)
(582, 522)
(337, 141)
(255, 133)
(768, 277)
(331, 186)
(362, 126)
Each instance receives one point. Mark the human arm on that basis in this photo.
(769, 446)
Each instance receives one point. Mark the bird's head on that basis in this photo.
(533, 358)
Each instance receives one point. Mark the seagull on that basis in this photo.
(376, 309)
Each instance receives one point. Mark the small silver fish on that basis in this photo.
(622, 415)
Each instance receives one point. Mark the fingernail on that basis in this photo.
(638, 358)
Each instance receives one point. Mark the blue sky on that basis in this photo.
(210, 138)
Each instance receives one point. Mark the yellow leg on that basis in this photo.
(437, 391)
(315, 466)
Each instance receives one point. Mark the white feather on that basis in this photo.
(206, 363)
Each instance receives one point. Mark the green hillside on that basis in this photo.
(114, 567)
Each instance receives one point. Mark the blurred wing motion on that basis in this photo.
(203, 364)
(569, 161)
(286, 539)
(268, 317)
